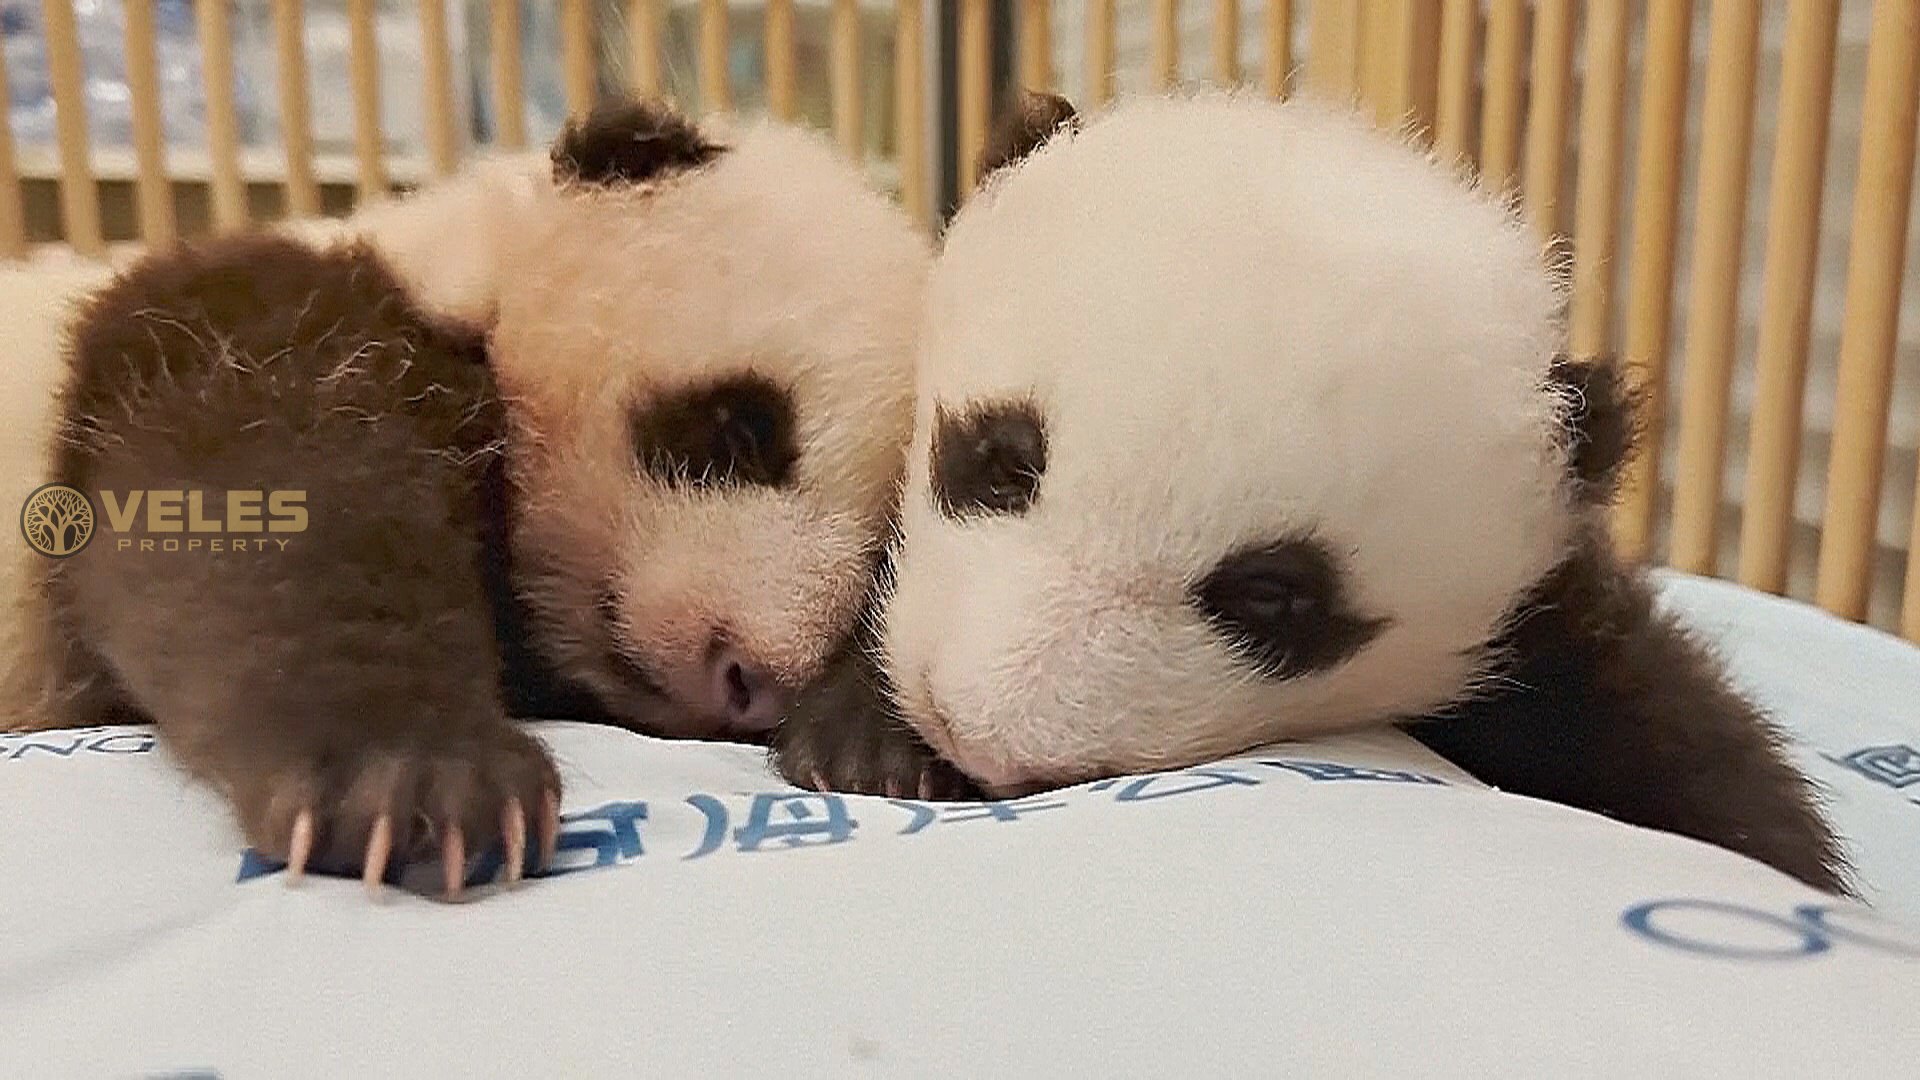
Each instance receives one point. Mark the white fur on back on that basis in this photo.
(1241, 320)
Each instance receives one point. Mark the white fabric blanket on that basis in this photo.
(1346, 907)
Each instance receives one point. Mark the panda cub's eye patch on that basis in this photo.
(988, 460)
(1283, 606)
(735, 431)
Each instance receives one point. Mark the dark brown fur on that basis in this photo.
(354, 671)
(988, 460)
(629, 142)
(1033, 118)
(739, 430)
(1610, 705)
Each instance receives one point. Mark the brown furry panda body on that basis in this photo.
(527, 435)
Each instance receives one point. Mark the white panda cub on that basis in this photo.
(1241, 421)
(616, 439)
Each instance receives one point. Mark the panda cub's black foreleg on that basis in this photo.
(843, 734)
(1609, 705)
(296, 600)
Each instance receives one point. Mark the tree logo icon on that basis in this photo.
(57, 520)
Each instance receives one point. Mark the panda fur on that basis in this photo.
(1239, 421)
(613, 436)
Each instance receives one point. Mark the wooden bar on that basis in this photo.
(13, 218)
(1656, 212)
(223, 121)
(296, 115)
(1547, 102)
(1395, 27)
(1786, 307)
(781, 101)
(716, 94)
(1333, 47)
(976, 88)
(151, 189)
(643, 45)
(443, 147)
(1500, 113)
(1459, 47)
(1910, 604)
(363, 58)
(509, 82)
(578, 69)
(1713, 306)
(1036, 44)
(910, 107)
(1376, 48)
(1099, 58)
(1166, 43)
(79, 198)
(1870, 332)
(1277, 24)
(845, 62)
(1226, 42)
(1596, 211)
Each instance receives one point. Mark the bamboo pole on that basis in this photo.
(848, 126)
(363, 55)
(1870, 330)
(79, 198)
(781, 101)
(1278, 26)
(1500, 113)
(976, 88)
(1786, 307)
(1333, 47)
(1166, 43)
(716, 94)
(1713, 308)
(509, 82)
(1597, 187)
(152, 189)
(296, 117)
(1656, 212)
(1036, 45)
(1099, 31)
(443, 148)
(13, 218)
(1459, 46)
(1547, 102)
(909, 106)
(1226, 42)
(578, 70)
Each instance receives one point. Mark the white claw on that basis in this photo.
(379, 850)
(453, 860)
(549, 827)
(513, 832)
(300, 847)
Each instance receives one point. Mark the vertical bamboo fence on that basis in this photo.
(1581, 108)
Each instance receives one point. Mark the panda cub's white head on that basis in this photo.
(711, 382)
(1234, 424)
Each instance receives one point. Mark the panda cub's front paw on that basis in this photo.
(842, 735)
(375, 808)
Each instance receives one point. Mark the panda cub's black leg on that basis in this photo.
(842, 734)
(293, 592)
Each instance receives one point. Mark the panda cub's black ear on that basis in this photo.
(1033, 119)
(628, 142)
(1603, 423)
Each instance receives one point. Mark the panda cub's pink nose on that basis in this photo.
(747, 696)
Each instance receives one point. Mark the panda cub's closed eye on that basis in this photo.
(1283, 605)
(988, 459)
(735, 431)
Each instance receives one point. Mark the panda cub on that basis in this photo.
(613, 438)
(1239, 421)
